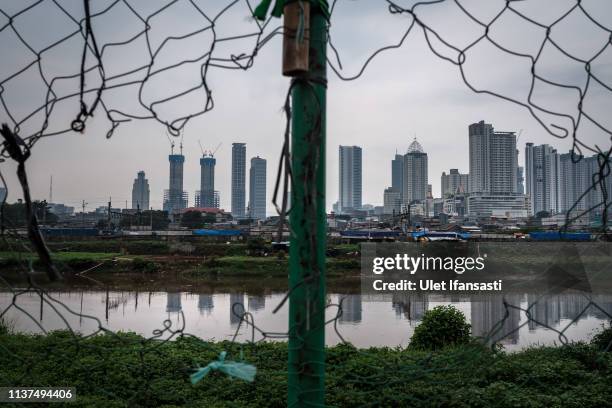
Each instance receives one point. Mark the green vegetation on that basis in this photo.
(70, 259)
(111, 371)
(441, 326)
(227, 264)
(193, 219)
(269, 265)
(603, 339)
(14, 215)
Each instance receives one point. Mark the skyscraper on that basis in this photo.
(493, 160)
(175, 198)
(520, 180)
(397, 173)
(207, 181)
(454, 183)
(392, 201)
(415, 174)
(140, 192)
(542, 171)
(217, 200)
(350, 178)
(257, 188)
(577, 191)
(238, 179)
(493, 185)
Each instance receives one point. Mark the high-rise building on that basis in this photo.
(217, 200)
(415, 174)
(140, 192)
(542, 171)
(454, 183)
(350, 178)
(520, 180)
(257, 189)
(392, 201)
(397, 173)
(238, 180)
(175, 198)
(207, 181)
(493, 160)
(579, 187)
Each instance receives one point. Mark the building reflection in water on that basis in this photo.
(256, 303)
(604, 309)
(205, 304)
(544, 311)
(495, 321)
(173, 302)
(411, 306)
(236, 308)
(351, 308)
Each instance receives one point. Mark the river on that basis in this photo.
(365, 320)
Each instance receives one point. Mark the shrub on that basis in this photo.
(6, 326)
(603, 339)
(143, 265)
(442, 326)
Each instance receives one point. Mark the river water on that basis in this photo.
(514, 320)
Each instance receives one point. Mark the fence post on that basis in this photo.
(307, 219)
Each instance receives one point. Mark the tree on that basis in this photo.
(15, 214)
(192, 219)
(542, 214)
(157, 218)
(209, 218)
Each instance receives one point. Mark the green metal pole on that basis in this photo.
(307, 220)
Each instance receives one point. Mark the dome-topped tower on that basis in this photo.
(415, 147)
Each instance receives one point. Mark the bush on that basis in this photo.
(6, 326)
(442, 326)
(603, 339)
(143, 265)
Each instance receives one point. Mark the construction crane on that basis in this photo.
(172, 144)
(209, 153)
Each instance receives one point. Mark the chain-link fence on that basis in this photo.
(155, 370)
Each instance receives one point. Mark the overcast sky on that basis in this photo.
(403, 93)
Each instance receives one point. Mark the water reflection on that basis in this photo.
(513, 320)
(495, 319)
(236, 308)
(173, 304)
(205, 304)
(411, 306)
(351, 309)
(256, 303)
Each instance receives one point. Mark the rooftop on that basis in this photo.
(415, 147)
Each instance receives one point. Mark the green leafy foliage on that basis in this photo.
(123, 370)
(603, 338)
(441, 326)
(192, 220)
(14, 214)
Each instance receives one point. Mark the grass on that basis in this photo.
(122, 370)
(60, 256)
(269, 265)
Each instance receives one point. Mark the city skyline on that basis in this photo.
(453, 178)
(380, 112)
